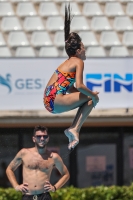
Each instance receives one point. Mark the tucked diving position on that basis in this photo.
(65, 90)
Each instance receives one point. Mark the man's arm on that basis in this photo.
(14, 164)
(63, 171)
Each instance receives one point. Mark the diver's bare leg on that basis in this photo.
(69, 102)
(73, 131)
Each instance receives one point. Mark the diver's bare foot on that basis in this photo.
(70, 138)
(73, 137)
(74, 143)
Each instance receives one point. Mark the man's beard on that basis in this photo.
(40, 147)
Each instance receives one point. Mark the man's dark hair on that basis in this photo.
(40, 128)
(72, 40)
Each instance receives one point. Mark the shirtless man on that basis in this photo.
(38, 164)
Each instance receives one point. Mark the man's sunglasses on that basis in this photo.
(39, 136)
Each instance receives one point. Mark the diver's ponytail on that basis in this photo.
(72, 40)
(67, 22)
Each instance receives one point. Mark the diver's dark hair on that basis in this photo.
(39, 128)
(72, 40)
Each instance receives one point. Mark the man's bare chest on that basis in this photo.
(37, 163)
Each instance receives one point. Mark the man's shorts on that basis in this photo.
(43, 196)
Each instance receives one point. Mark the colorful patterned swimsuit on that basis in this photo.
(64, 81)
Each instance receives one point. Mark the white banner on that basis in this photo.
(113, 78)
(22, 82)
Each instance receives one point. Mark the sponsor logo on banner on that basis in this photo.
(9, 85)
(110, 82)
(6, 82)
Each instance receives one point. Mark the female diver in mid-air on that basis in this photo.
(62, 81)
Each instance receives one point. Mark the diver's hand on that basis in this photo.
(22, 188)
